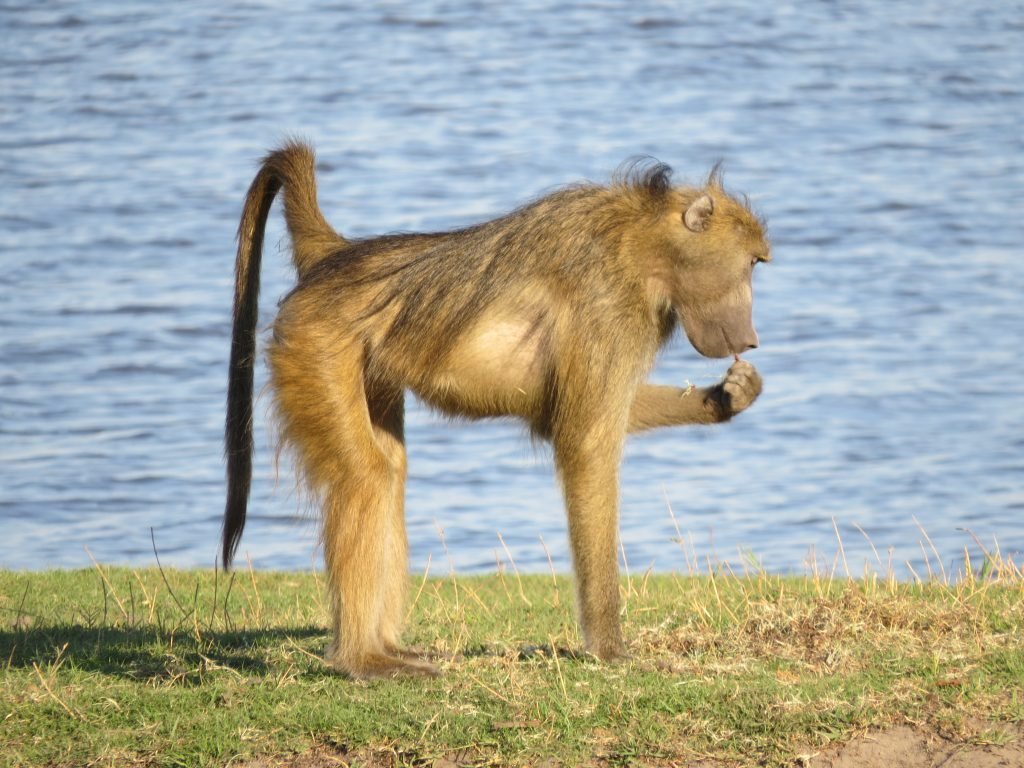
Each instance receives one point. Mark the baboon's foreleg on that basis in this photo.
(589, 470)
(661, 406)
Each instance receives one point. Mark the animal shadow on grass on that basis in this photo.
(147, 653)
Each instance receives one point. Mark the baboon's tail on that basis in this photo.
(291, 168)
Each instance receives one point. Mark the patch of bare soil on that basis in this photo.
(1002, 746)
(906, 747)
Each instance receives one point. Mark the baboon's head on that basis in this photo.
(716, 243)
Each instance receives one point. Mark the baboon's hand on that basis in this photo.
(738, 390)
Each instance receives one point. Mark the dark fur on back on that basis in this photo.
(431, 270)
(647, 175)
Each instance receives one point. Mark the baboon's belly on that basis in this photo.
(496, 369)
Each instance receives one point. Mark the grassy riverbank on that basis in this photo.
(112, 666)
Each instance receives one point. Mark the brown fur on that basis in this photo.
(553, 313)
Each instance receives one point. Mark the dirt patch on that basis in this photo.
(1000, 746)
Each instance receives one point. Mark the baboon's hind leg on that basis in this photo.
(357, 469)
(387, 415)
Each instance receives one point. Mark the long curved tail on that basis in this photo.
(292, 168)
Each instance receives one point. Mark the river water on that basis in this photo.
(882, 141)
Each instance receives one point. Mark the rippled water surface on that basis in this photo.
(883, 143)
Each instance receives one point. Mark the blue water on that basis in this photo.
(882, 141)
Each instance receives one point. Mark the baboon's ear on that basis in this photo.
(699, 213)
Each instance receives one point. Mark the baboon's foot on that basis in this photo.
(610, 655)
(608, 649)
(380, 665)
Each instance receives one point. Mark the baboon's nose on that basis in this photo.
(748, 341)
(738, 343)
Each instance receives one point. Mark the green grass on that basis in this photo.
(122, 667)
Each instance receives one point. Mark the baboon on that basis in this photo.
(552, 313)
